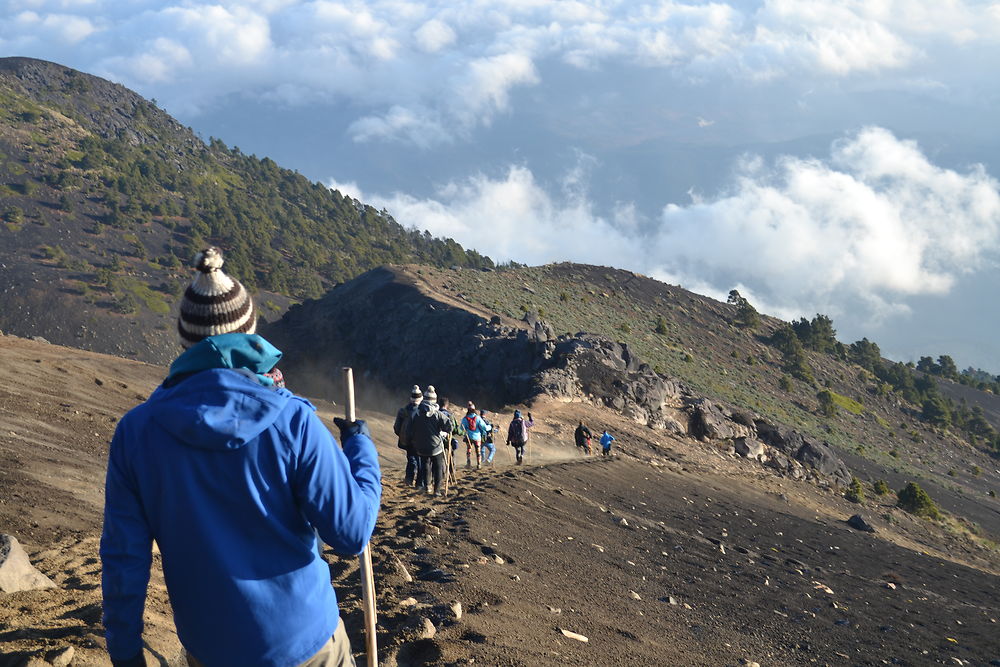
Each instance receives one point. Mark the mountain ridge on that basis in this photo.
(105, 199)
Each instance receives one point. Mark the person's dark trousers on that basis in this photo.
(519, 450)
(433, 470)
(414, 475)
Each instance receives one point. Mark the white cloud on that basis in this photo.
(872, 225)
(457, 65)
(434, 35)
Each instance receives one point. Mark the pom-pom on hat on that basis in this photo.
(431, 394)
(214, 303)
(415, 393)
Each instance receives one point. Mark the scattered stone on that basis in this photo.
(427, 629)
(857, 522)
(598, 547)
(407, 577)
(498, 560)
(749, 663)
(16, 571)
(573, 635)
(891, 586)
(408, 602)
(515, 577)
(623, 522)
(819, 586)
(634, 595)
(60, 657)
(554, 610)
(456, 610)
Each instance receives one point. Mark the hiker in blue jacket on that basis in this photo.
(606, 440)
(475, 431)
(233, 478)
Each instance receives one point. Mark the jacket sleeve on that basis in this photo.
(126, 554)
(397, 426)
(339, 489)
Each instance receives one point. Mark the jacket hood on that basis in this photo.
(213, 398)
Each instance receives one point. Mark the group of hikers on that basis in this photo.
(429, 434)
(237, 480)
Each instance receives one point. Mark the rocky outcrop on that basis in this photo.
(382, 323)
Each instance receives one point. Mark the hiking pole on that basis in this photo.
(447, 466)
(367, 577)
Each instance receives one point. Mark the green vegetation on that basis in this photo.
(881, 487)
(915, 500)
(661, 325)
(846, 403)
(855, 492)
(747, 316)
(827, 406)
(280, 232)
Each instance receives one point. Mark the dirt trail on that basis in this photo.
(596, 546)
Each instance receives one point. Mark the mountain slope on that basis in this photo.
(458, 329)
(104, 199)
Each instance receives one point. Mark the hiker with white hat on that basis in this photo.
(233, 477)
(413, 476)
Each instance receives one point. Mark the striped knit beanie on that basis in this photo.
(214, 303)
(430, 395)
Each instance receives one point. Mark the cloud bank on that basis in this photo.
(430, 73)
(868, 226)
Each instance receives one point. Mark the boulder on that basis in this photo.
(858, 522)
(785, 440)
(821, 458)
(709, 422)
(16, 571)
(749, 448)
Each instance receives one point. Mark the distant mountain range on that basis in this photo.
(104, 200)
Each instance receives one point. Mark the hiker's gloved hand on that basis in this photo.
(530, 418)
(348, 428)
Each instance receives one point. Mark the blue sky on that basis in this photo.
(834, 157)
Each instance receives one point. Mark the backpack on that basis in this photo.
(518, 431)
(470, 422)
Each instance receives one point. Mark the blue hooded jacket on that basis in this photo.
(232, 479)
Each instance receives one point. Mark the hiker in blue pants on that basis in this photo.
(606, 440)
(488, 449)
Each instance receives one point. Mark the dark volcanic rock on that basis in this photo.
(858, 522)
(821, 457)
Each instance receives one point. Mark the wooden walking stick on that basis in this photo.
(367, 577)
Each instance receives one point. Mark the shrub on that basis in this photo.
(661, 325)
(827, 406)
(894, 453)
(785, 383)
(992, 493)
(855, 492)
(977, 471)
(563, 297)
(881, 487)
(624, 327)
(915, 500)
